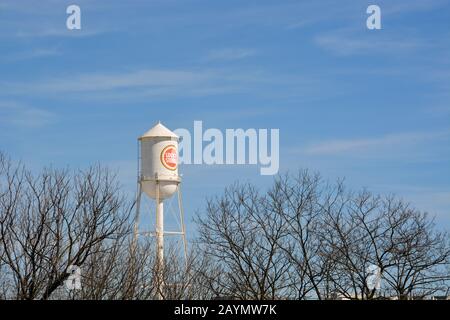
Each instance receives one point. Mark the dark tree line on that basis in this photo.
(52, 221)
(308, 239)
(57, 219)
(304, 238)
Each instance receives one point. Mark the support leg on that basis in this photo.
(159, 244)
(183, 227)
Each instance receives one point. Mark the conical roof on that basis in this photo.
(159, 131)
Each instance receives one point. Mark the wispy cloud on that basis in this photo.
(334, 147)
(56, 32)
(131, 84)
(24, 116)
(349, 42)
(406, 7)
(230, 54)
(146, 83)
(433, 199)
(31, 54)
(436, 202)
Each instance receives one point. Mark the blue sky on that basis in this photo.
(370, 106)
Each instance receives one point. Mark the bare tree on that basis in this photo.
(111, 273)
(297, 200)
(351, 233)
(384, 232)
(419, 254)
(241, 235)
(52, 221)
(55, 220)
(306, 238)
(302, 239)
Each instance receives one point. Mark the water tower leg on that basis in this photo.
(136, 218)
(160, 244)
(160, 232)
(183, 227)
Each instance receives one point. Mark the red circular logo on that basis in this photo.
(169, 157)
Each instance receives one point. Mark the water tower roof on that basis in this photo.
(159, 131)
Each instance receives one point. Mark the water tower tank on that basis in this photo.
(159, 162)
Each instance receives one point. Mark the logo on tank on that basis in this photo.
(169, 157)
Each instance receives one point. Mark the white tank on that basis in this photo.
(159, 162)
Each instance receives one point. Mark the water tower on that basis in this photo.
(158, 178)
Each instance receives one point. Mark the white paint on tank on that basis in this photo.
(159, 162)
